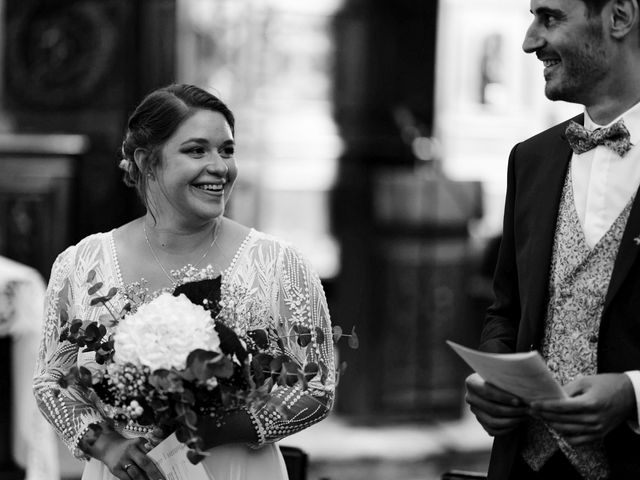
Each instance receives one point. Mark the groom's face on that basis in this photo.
(571, 42)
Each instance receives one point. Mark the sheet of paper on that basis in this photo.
(171, 457)
(525, 375)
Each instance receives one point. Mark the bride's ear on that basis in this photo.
(141, 157)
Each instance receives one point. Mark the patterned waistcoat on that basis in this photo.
(578, 283)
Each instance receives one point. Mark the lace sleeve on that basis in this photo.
(69, 410)
(300, 301)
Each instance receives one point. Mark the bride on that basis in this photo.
(178, 153)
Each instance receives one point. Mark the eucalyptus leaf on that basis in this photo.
(353, 341)
(91, 276)
(97, 300)
(337, 333)
(94, 288)
(310, 370)
(304, 335)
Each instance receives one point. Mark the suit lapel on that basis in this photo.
(551, 172)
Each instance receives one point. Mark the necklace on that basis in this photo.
(155, 256)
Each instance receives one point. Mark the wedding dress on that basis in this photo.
(276, 278)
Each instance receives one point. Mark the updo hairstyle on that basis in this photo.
(153, 122)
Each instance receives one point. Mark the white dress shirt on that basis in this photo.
(603, 183)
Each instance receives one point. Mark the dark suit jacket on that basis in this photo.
(515, 321)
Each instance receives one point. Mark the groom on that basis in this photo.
(567, 281)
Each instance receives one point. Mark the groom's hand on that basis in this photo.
(498, 411)
(596, 405)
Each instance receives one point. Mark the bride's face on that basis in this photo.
(197, 170)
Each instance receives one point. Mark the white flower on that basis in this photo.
(161, 333)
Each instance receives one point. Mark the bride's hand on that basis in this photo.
(126, 458)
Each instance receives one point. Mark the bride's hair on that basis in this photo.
(154, 120)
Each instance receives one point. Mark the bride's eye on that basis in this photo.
(196, 151)
(227, 151)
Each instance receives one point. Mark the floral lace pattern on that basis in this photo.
(577, 288)
(276, 286)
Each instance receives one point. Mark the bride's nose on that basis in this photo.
(217, 165)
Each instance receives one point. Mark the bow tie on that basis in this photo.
(616, 137)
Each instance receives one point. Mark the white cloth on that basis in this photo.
(22, 291)
(603, 183)
(227, 462)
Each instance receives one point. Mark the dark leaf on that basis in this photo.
(125, 309)
(111, 293)
(325, 372)
(104, 353)
(276, 364)
(187, 375)
(310, 370)
(257, 370)
(304, 335)
(260, 337)
(319, 336)
(84, 377)
(75, 325)
(353, 341)
(291, 373)
(190, 419)
(204, 364)
(183, 434)
(337, 333)
(91, 276)
(201, 290)
(222, 368)
(229, 342)
(94, 288)
(187, 397)
(194, 457)
(302, 380)
(96, 300)
(63, 382)
(343, 367)
(166, 381)
(282, 376)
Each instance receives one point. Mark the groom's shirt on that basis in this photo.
(603, 184)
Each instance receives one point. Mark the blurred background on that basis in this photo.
(373, 134)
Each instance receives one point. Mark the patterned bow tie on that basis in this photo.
(616, 137)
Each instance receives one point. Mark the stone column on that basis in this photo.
(402, 241)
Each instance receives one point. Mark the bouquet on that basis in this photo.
(185, 355)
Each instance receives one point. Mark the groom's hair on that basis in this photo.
(595, 6)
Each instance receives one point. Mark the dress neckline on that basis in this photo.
(185, 274)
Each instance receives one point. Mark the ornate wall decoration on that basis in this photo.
(59, 53)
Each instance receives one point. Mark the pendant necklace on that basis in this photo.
(155, 256)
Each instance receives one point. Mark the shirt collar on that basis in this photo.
(631, 120)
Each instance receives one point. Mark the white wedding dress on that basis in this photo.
(275, 279)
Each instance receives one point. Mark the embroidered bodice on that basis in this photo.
(272, 278)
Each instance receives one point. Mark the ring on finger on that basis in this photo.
(127, 466)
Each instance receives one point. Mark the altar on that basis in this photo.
(28, 445)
